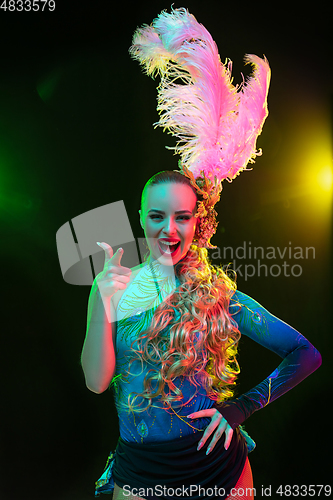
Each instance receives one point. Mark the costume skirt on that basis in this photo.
(175, 469)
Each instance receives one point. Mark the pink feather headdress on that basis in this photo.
(216, 123)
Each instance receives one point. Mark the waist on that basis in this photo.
(163, 425)
(177, 463)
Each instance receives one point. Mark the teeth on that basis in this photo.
(169, 243)
(168, 246)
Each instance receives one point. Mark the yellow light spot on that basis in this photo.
(325, 178)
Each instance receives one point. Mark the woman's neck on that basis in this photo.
(162, 270)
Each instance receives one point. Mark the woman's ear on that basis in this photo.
(140, 218)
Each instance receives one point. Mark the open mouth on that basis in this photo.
(167, 249)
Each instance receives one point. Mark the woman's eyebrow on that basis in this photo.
(178, 211)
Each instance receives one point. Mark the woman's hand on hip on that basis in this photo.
(218, 424)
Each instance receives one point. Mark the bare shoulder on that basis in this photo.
(117, 296)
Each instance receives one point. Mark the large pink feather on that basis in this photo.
(217, 124)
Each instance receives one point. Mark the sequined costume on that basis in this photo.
(158, 426)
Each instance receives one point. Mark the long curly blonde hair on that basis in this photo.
(202, 343)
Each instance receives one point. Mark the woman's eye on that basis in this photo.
(181, 217)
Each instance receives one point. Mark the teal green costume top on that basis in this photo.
(160, 425)
(134, 314)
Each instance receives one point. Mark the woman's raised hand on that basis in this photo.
(114, 276)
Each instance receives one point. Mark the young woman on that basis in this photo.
(170, 350)
(166, 332)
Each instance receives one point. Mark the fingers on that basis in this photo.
(117, 278)
(115, 266)
(221, 425)
(123, 278)
(118, 270)
(108, 250)
(209, 430)
(114, 276)
(117, 257)
(228, 437)
(210, 412)
(224, 427)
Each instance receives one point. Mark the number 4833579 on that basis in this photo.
(27, 5)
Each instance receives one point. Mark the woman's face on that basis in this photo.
(167, 216)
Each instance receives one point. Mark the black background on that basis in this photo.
(76, 133)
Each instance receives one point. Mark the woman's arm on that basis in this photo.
(98, 358)
(300, 358)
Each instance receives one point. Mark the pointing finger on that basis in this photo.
(108, 250)
(112, 261)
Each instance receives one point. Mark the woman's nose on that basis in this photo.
(169, 226)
